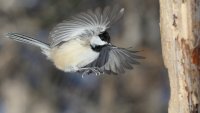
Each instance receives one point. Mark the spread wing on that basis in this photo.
(115, 60)
(85, 24)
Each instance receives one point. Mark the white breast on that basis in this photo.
(72, 55)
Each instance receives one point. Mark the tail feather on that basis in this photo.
(28, 40)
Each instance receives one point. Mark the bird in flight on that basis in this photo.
(82, 44)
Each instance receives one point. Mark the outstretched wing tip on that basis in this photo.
(122, 10)
(118, 60)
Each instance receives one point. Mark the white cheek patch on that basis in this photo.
(95, 41)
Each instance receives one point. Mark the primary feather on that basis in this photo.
(85, 24)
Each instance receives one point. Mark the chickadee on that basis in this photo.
(82, 44)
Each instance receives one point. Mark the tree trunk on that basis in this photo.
(180, 34)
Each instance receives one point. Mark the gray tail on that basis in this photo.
(28, 40)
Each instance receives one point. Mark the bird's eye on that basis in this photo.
(105, 37)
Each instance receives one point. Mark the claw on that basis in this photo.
(86, 72)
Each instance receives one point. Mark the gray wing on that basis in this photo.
(115, 60)
(85, 24)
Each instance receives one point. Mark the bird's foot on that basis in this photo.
(87, 71)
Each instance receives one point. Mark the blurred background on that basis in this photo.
(31, 84)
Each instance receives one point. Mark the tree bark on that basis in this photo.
(180, 34)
